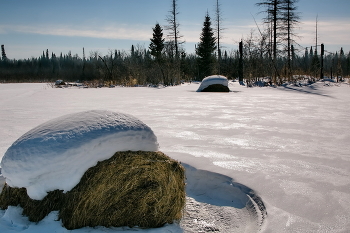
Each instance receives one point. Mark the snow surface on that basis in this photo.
(289, 145)
(214, 79)
(56, 154)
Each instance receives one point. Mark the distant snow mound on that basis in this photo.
(55, 154)
(213, 80)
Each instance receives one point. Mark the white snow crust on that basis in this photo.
(56, 154)
(214, 79)
(289, 144)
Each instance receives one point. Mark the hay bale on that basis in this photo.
(216, 88)
(214, 83)
(144, 189)
(11, 196)
(132, 188)
(34, 209)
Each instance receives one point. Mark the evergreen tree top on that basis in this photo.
(207, 44)
(157, 42)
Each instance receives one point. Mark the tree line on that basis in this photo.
(270, 51)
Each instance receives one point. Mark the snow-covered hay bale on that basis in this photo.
(214, 83)
(55, 154)
(144, 189)
(132, 188)
(97, 168)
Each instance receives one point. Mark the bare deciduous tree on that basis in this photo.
(218, 29)
(173, 27)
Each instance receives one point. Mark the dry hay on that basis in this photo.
(145, 189)
(34, 209)
(216, 88)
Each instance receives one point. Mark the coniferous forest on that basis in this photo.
(270, 52)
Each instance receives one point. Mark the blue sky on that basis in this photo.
(28, 27)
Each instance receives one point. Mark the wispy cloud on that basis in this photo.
(134, 32)
(191, 33)
(231, 34)
(331, 32)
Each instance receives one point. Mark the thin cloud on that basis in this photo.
(331, 32)
(230, 35)
(124, 32)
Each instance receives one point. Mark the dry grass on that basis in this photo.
(34, 209)
(145, 189)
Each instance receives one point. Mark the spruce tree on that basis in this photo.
(3, 54)
(205, 49)
(157, 42)
(306, 60)
(340, 63)
(347, 64)
(315, 64)
(132, 51)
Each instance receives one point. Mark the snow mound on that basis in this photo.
(214, 79)
(56, 154)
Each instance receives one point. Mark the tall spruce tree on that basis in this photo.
(315, 64)
(156, 46)
(3, 53)
(157, 42)
(306, 60)
(205, 49)
(340, 63)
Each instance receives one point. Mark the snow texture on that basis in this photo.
(56, 154)
(289, 144)
(214, 79)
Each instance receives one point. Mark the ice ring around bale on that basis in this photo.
(214, 83)
(56, 154)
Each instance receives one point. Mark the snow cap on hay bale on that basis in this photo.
(55, 154)
(214, 83)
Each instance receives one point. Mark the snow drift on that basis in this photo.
(55, 154)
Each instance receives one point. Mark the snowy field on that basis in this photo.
(257, 159)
